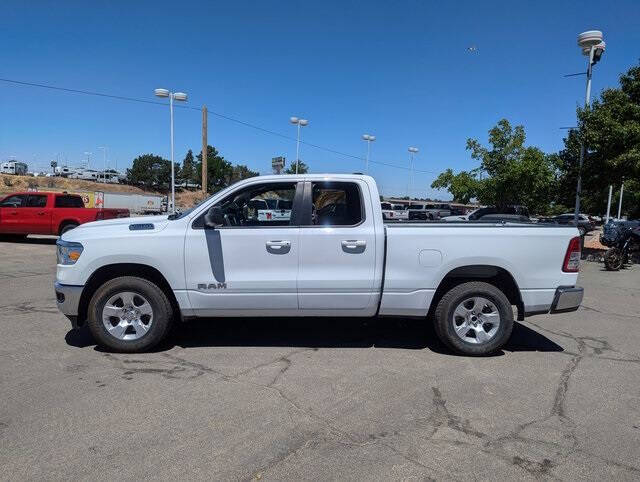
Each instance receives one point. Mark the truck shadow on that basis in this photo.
(29, 240)
(321, 333)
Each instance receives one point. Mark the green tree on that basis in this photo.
(240, 172)
(463, 186)
(302, 168)
(151, 171)
(188, 170)
(610, 129)
(219, 170)
(512, 172)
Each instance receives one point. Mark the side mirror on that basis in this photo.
(214, 218)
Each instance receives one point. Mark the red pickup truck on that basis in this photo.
(25, 213)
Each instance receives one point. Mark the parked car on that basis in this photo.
(394, 212)
(438, 211)
(56, 213)
(585, 225)
(493, 213)
(129, 280)
(419, 211)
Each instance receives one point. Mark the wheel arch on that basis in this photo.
(494, 275)
(66, 222)
(111, 271)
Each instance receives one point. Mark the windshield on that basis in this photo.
(398, 207)
(182, 214)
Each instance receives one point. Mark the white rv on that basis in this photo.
(14, 167)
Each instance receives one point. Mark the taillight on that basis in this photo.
(572, 258)
(99, 215)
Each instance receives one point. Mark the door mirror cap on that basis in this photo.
(214, 218)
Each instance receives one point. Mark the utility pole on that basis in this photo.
(620, 201)
(204, 149)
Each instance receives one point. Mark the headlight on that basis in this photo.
(68, 252)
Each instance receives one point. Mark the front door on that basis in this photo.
(337, 252)
(249, 265)
(11, 219)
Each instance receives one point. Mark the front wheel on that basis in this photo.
(474, 318)
(129, 314)
(613, 259)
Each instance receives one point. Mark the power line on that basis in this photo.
(217, 114)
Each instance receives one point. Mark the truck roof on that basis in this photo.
(311, 177)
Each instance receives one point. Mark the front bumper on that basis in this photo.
(68, 300)
(567, 298)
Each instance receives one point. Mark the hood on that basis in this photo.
(119, 225)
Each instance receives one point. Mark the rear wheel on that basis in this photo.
(129, 314)
(474, 318)
(613, 259)
(67, 227)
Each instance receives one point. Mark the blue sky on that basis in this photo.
(397, 69)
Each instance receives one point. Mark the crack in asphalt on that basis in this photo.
(517, 448)
(611, 313)
(27, 307)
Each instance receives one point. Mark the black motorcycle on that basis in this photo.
(626, 244)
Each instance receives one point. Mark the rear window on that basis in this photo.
(65, 201)
(417, 206)
(336, 204)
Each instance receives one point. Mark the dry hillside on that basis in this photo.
(11, 183)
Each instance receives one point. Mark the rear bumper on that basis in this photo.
(567, 299)
(560, 300)
(68, 300)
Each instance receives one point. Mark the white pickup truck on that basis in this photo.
(130, 279)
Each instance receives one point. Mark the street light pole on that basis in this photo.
(369, 138)
(592, 46)
(104, 161)
(298, 149)
(179, 96)
(300, 123)
(412, 151)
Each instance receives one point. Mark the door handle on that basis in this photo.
(41, 214)
(278, 247)
(354, 245)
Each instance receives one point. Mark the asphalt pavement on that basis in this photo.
(317, 399)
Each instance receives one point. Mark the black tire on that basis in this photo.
(444, 318)
(613, 259)
(162, 314)
(68, 227)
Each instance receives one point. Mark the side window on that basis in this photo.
(15, 201)
(259, 205)
(69, 202)
(36, 201)
(336, 204)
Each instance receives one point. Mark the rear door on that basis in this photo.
(249, 265)
(11, 214)
(337, 250)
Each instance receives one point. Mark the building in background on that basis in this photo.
(277, 164)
